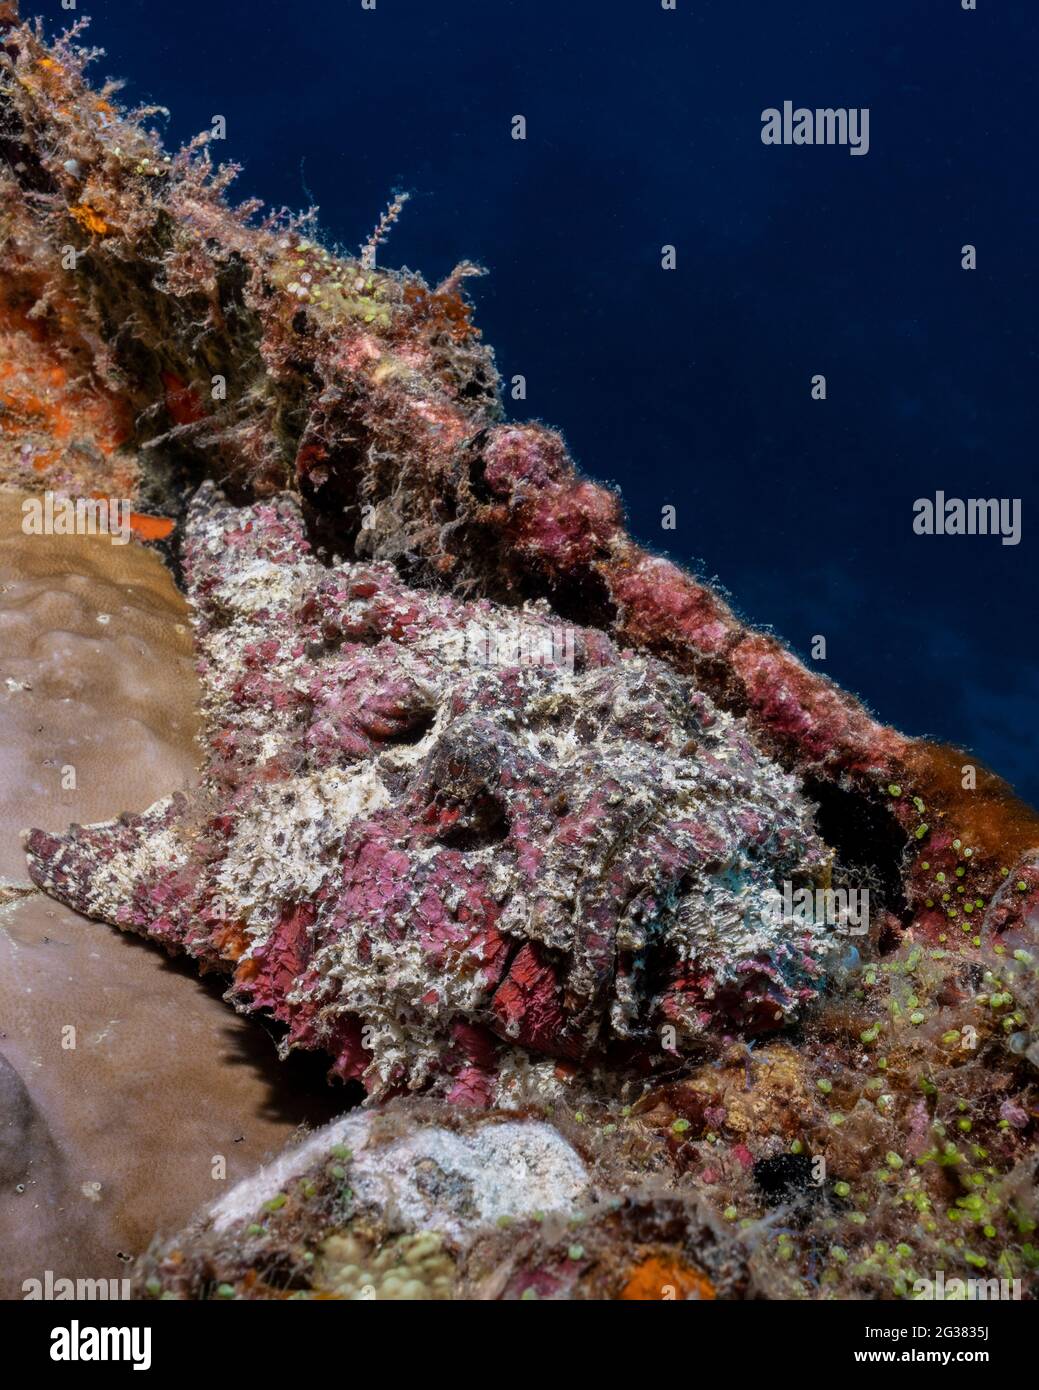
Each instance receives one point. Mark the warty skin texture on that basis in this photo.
(417, 858)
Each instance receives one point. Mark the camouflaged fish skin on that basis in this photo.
(432, 831)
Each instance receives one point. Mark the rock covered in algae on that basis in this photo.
(432, 1203)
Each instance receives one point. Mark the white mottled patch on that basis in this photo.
(281, 852)
(434, 1178)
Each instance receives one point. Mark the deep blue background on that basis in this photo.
(692, 387)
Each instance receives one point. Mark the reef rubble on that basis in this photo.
(498, 809)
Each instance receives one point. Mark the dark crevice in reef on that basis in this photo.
(869, 843)
(419, 723)
(585, 600)
(167, 488)
(475, 466)
(17, 152)
(326, 436)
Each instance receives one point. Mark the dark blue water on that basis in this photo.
(691, 388)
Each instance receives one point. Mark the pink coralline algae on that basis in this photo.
(435, 833)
